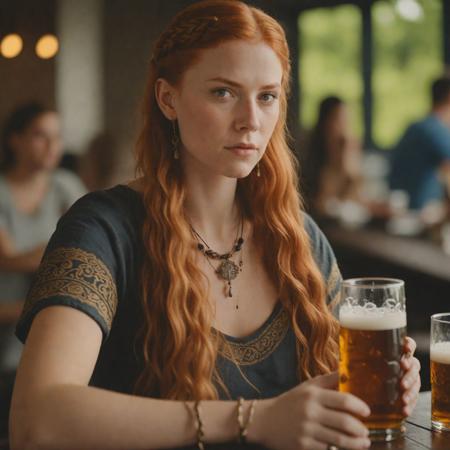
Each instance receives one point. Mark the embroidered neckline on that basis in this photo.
(261, 346)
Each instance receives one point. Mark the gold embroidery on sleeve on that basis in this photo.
(261, 347)
(334, 301)
(333, 278)
(76, 273)
(333, 294)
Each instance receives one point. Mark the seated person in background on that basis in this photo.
(423, 151)
(98, 165)
(33, 195)
(332, 167)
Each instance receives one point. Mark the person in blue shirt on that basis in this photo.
(424, 150)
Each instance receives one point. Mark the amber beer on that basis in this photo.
(371, 345)
(440, 385)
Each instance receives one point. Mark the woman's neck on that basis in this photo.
(212, 207)
(24, 176)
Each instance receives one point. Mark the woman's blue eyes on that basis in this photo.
(266, 97)
(221, 93)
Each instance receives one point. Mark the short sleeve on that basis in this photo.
(4, 204)
(3, 218)
(438, 140)
(80, 267)
(70, 188)
(326, 261)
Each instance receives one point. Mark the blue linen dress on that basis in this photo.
(92, 264)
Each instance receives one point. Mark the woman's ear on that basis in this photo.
(164, 94)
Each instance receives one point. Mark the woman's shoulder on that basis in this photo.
(64, 177)
(324, 257)
(321, 248)
(106, 220)
(118, 202)
(4, 191)
(314, 232)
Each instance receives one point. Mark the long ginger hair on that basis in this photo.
(179, 345)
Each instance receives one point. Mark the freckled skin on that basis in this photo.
(215, 114)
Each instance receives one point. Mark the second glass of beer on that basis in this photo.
(440, 371)
(372, 318)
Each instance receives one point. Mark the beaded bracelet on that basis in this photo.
(200, 432)
(243, 427)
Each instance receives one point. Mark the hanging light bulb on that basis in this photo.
(11, 45)
(47, 46)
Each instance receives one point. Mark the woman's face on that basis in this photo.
(39, 146)
(338, 121)
(227, 106)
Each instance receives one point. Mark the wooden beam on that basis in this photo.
(366, 63)
(446, 32)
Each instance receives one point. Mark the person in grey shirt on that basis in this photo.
(33, 195)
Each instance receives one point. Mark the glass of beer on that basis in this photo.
(440, 371)
(372, 318)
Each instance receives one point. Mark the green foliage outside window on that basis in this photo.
(330, 61)
(407, 57)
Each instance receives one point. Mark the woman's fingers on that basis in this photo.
(410, 398)
(341, 440)
(328, 381)
(409, 346)
(412, 374)
(343, 422)
(344, 402)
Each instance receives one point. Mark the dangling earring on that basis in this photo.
(258, 172)
(175, 141)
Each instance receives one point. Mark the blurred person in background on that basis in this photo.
(333, 179)
(422, 156)
(98, 166)
(33, 195)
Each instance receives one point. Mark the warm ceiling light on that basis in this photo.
(11, 45)
(47, 46)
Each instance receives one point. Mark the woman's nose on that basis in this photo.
(247, 117)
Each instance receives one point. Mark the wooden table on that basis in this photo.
(418, 430)
(417, 255)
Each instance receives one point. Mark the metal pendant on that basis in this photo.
(228, 270)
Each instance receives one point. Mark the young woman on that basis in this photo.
(160, 303)
(33, 196)
(334, 158)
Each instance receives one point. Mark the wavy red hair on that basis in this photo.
(179, 346)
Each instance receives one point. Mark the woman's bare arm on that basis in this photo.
(13, 261)
(53, 408)
(10, 312)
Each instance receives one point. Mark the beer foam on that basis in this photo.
(440, 352)
(376, 319)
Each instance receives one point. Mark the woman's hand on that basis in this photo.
(311, 416)
(410, 382)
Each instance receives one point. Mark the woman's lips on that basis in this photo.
(242, 151)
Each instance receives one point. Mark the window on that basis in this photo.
(407, 57)
(330, 61)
